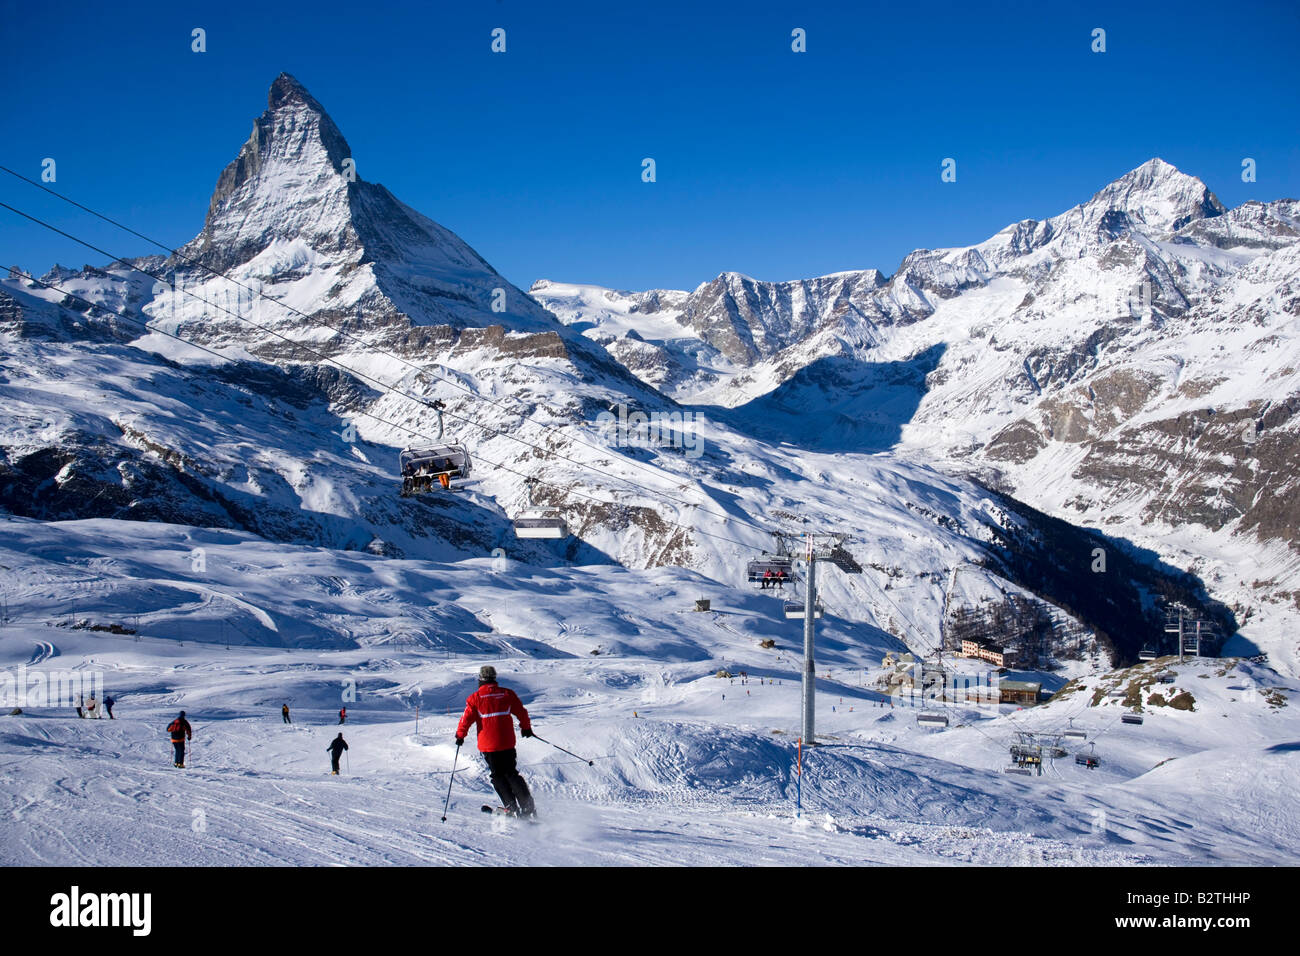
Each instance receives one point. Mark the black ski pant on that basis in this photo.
(334, 760)
(510, 787)
(286, 718)
(179, 746)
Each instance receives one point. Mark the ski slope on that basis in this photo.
(689, 768)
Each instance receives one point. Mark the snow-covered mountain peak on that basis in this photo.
(292, 211)
(291, 178)
(1155, 198)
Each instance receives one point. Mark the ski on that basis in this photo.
(502, 811)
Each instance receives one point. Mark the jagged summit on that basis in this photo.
(286, 88)
(294, 203)
(1158, 196)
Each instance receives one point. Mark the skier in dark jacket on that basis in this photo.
(491, 709)
(181, 731)
(284, 714)
(336, 748)
(108, 706)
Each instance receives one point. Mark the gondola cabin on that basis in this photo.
(427, 469)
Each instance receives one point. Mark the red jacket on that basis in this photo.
(180, 729)
(490, 708)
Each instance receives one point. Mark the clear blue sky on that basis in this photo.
(772, 163)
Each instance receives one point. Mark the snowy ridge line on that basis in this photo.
(339, 331)
(565, 491)
(390, 388)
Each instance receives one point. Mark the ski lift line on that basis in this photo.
(916, 631)
(317, 323)
(385, 387)
(370, 415)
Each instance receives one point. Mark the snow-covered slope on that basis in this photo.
(688, 767)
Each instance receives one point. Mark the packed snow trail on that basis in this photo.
(690, 780)
(688, 767)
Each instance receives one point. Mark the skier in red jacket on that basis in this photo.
(491, 709)
(180, 731)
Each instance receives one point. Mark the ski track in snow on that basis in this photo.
(681, 776)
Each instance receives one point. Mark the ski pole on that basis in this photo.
(590, 763)
(347, 763)
(447, 802)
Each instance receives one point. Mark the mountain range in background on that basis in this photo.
(1121, 377)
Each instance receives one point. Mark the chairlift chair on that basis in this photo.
(770, 571)
(534, 522)
(1132, 718)
(931, 720)
(1080, 734)
(1167, 678)
(794, 610)
(1148, 653)
(540, 523)
(424, 469)
(1087, 760)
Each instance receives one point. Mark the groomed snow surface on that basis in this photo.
(682, 774)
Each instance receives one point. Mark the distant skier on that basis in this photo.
(108, 706)
(81, 703)
(336, 748)
(490, 709)
(284, 714)
(181, 731)
(343, 715)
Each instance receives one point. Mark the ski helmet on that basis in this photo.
(487, 674)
